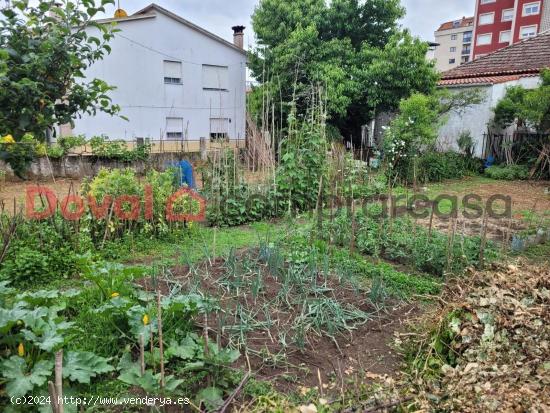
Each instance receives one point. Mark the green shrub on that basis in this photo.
(438, 166)
(20, 154)
(26, 267)
(42, 251)
(55, 151)
(508, 172)
(400, 242)
(102, 147)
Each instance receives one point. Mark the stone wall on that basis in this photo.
(79, 166)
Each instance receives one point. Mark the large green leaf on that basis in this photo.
(20, 379)
(187, 350)
(81, 366)
(212, 397)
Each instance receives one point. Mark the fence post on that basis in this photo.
(204, 154)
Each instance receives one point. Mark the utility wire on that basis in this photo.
(179, 59)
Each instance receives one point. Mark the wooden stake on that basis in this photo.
(141, 354)
(483, 241)
(161, 344)
(59, 379)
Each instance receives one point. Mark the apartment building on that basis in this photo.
(453, 43)
(500, 23)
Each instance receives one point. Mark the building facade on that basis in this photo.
(491, 75)
(454, 43)
(500, 23)
(174, 81)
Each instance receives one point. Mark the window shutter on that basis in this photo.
(215, 77)
(172, 71)
(219, 125)
(174, 124)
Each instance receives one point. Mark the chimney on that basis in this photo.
(238, 36)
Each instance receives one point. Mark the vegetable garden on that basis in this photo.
(289, 295)
(321, 285)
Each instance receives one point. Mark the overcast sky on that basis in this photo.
(423, 16)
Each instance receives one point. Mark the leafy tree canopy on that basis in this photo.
(352, 49)
(526, 107)
(44, 52)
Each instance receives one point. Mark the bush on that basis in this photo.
(20, 154)
(438, 166)
(26, 267)
(102, 147)
(508, 172)
(41, 251)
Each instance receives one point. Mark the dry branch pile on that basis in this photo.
(500, 324)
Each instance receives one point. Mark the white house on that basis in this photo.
(518, 64)
(175, 81)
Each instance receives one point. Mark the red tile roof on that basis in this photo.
(528, 57)
(464, 22)
(482, 80)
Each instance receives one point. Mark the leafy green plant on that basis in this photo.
(32, 329)
(19, 154)
(508, 172)
(303, 162)
(102, 147)
(50, 47)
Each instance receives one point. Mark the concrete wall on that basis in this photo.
(136, 67)
(78, 167)
(476, 119)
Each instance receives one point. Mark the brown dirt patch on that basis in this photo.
(272, 339)
(10, 191)
(530, 208)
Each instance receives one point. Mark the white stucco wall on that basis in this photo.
(136, 67)
(476, 118)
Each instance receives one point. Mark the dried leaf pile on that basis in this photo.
(498, 357)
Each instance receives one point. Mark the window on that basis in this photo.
(531, 9)
(453, 36)
(452, 49)
(507, 15)
(174, 128)
(486, 1)
(486, 18)
(467, 38)
(466, 50)
(456, 24)
(219, 129)
(505, 36)
(465, 59)
(527, 31)
(172, 72)
(215, 77)
(484, 39)
(452, 61)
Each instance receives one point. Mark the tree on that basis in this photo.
(526, 107)
(352, 49)
(45, 50)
